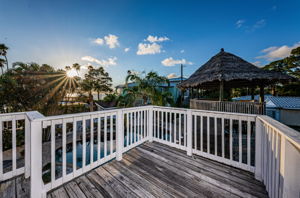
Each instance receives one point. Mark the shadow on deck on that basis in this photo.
(153, 170)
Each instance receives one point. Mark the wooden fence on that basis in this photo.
(227, 106)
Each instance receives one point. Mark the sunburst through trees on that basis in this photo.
(36, 87)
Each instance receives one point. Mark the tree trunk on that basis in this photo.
(6, 62)
(2, 70)
(91, 101)
(98, 93)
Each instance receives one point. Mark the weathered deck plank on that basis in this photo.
(235, 185)
(151, 170)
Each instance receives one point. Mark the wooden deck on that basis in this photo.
(153, 170)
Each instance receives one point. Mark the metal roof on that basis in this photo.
(284, 102)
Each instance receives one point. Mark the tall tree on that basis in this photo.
(3, 52)
(96, 80)
(291, 66)
(76, 67)
(33, 87)
(2, 62)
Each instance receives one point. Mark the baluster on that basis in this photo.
(273, 164)
(185, 129)
(240, 140)
(92, 141)
(230, 138)
(111, 134)
(249, 140)
(175, 128)
(64, 145)
(74, 147)
(14, 151)
(201, 135)
(131, 128)
(223, 145)
(99, 138)
(189, 132)
(277, 165)
(52, 151)
(170, 127)
(216, 140)
(127, 129)
(105, 135)
(180, 134)
(155, 123)
(208, 134)
(139, 126)
(84, 143)
(195, 132)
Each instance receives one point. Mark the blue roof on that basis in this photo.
(248, 97)
(283, 102)
(176, 79)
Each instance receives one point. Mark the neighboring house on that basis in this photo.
(284, 109)
(172, 87)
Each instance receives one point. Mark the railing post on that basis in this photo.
(150, 124)
(27, 147)
(258, 152)
(36, 182)
(189, 132)
(119, 135)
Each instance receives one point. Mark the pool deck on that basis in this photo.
(152, 170)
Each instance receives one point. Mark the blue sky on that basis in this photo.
(63, 32)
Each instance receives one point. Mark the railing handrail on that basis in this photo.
(66, 116)
(207, 111)
(290, 134)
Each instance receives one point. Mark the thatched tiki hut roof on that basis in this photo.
(228, 70)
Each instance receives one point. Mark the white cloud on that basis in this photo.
(109, 62)
(126, 49)
(171, 62)
(181, 51)
(274, 52)
(172, 75)
(110, 40)
(144, 48)
(99, 41)
(239, 23)
(153, 39)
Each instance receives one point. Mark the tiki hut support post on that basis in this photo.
(252, 93)
(261, 94)
(221, 94)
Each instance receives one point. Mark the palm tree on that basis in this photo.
(87, 85)
(148, 88)
(76, 66)
(3, 52)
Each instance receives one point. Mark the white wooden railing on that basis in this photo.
(277, 162)
(77, 143)
(15, 152)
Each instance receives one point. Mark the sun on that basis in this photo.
(72, 73)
